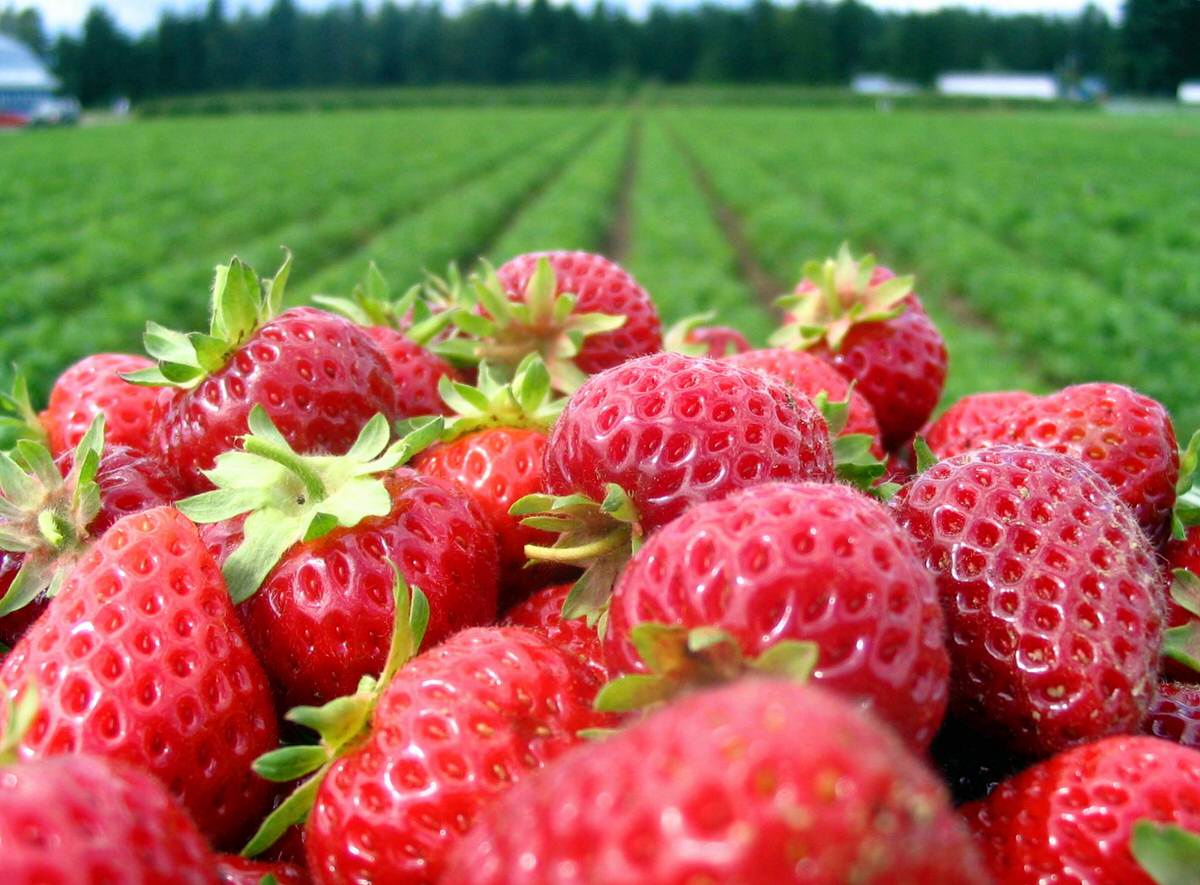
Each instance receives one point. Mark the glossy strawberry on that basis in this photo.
(812, 376)
(816, 562)
(319, 377)
(94, 386)
(870, 325)
(690, 336)
(415, 372)
(542, 613)
(969, 423)
(1071, 818)
(759, 781)
(1183, 553)
(140, 658)
(1174, 715)
(1053, 596)
(88, 819)
(1124, 436)
(235, 870)
(600, 286)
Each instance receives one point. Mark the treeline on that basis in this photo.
(813, 43)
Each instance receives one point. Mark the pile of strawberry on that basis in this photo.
(494, 582)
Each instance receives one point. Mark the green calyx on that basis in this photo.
(1182, 644)
(597, 537)
(1169, 854)
(241, 303)
(676, 337)
(421, 312)
(1187, 491)
(45, 515)
(526, 401)
(842, 297)
(538, 322)
(18, 718)
(853, 460)
(18, 418)
(341, 725)
(289, 497)
(679, 658)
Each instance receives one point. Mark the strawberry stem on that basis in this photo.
(614, 540)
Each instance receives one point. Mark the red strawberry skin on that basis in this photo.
(1175, 714)
(87, 819)
(673, 431)
(323, 617)
(759, 781)
(319, 377)
(970, 422)
(542, 613)
(457, 727)
(1185, 554)
(235, 870)
(1124, 436)
(721, 341)
(495, 468)
(1069, 819)
(140, 658)
(811, 376)
(415, 372)
(899, 365)
(601, 286)
(93, 386)
(1053, 596)
(811, 561)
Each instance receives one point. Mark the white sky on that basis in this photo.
(136, 15)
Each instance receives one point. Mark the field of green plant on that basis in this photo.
(1050, 247)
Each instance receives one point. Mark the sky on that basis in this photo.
(137, 15)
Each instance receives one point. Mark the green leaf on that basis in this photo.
(836, 413)
(291, 810)
(18, 719)
(221, 504)
(167, 345)
(34, 577)
(267, 536)
(371, 441)
(793, 658)
(618, 504)
(635, 692)
(1181, 644)
(1185, 590)
(288, 763)
(663, 647)
(924, 455)
(237, 294)
(17, 486)
(276, 288)
(1169, 854)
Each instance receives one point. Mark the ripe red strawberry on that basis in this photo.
(407, 763)
(1174, 714)
(493, 450)
(94, 386)
(1183, 553)
(1052, 594)
(88, 819)
(870, 325)
(969, 423)
(1124, 436)
(776, 562)
(759, 781)
(57, 509)
(812, 376)
(415, 372)
(140, 658)
(319, 377)
(1073, 817)
(313, 576)
(235, 870)
(542, 613)
(691, 337)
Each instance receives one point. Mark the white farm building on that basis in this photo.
(1189, 92)
(26, 86)
(1040, 87)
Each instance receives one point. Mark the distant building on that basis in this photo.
(1041, 87)
(881, 84)
(26, 87)
(1189, 92)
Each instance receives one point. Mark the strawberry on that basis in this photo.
(691, 337)
(758, 781)
(736, 578)
(1094, 814)
(407, 762)
(812, 376)
(968, 424)
(140, 658)
(1124, 436)
(1174, 714)
(403, 340)
(318, 376)
(651, 438)
(870, 325)
(235, 870)
(1052, 595)
(317, 534)
(1183, 553)
(542, 613)
(580, 312)
(54, 511)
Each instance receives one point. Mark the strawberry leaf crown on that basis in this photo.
(853, 460)
(421, 312)
(341, 724)
(839, 296)
(539, 321)
(45, 515)
(18, 719)
(676, 337)
(1169, 854)
(18, 418)
(289, 497)
(679, 658)
(1186, 512)
(526, 401)
(241, 303)
(1182, 644)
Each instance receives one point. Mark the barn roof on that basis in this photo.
(21, 69)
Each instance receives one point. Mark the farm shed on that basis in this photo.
(1041, 87)
(25, 84)
(1189, 92)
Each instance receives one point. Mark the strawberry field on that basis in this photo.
(1050, 247)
